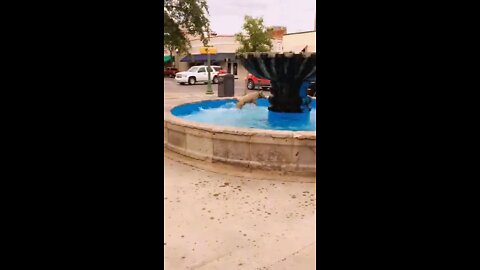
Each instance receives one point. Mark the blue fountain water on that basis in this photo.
(223, 112)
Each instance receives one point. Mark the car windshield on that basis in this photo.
(193, 69)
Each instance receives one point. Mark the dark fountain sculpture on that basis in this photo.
(290, 75)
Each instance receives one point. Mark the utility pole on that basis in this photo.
(209, 85)
(207, 49)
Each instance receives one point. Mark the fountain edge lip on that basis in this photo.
(172, 119)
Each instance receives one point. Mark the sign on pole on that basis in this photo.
(208, 50)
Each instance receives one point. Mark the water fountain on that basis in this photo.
(278, 133)
(290, 75)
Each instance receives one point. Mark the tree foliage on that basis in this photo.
(175, 39)
(255, 36)
(181, 18)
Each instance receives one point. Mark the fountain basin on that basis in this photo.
(223, 112)
(283, 150)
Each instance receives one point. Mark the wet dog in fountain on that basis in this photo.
(249, 98)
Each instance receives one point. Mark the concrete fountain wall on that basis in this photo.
(288, 151)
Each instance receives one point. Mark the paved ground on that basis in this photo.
(220, 217)
(174, 92)
(200, 88)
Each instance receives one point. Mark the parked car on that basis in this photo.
(170, 72)
(253, 82)
(198, 74)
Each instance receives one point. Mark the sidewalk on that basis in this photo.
(213, 221)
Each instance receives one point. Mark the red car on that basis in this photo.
(169, 72)
(253, 82)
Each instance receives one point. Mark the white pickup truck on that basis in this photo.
(197, 74)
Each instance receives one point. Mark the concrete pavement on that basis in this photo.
(174, 92)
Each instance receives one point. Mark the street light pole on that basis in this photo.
(209, 85)
(175, 58)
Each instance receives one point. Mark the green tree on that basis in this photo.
(175, 40)
(182, 17)
(255, 36)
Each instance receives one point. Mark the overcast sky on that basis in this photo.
(226, 16)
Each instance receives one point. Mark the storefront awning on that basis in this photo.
(195, 58)
(219, 57)
(167, 58)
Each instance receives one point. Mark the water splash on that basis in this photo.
(250, 116)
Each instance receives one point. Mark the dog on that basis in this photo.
(249, 98)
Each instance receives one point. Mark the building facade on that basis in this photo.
(277, 38)
(226, 49)
(301, 41)
(226, 46)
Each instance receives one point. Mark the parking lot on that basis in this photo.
(199, 89)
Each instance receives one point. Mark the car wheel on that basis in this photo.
(192, 80)
(250, 85)
(215, 80)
